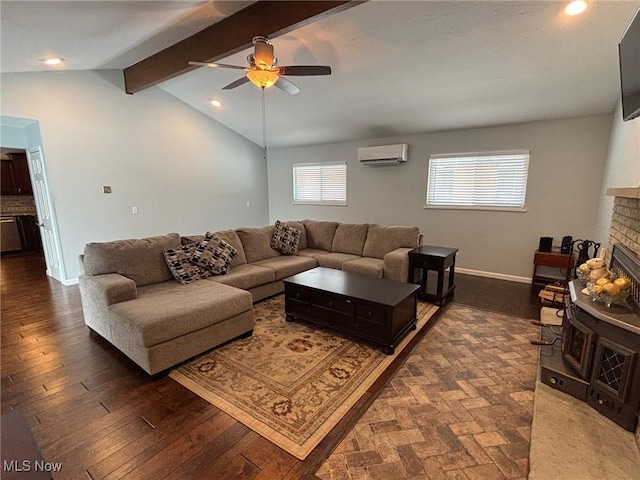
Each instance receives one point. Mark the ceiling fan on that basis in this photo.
(263, 72)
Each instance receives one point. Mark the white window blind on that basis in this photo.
(497, 180)
(324, 184)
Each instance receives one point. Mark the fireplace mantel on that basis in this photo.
(625, 192)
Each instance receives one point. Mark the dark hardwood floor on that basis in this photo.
(511, 298)
(92, 409)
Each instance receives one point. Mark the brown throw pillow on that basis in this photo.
(178, 260)
(214, 254)
(285, 239)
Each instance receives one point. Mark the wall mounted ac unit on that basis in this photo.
(383, 154)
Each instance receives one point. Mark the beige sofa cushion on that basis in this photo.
(141, 260)
(335, 260)
(246, 276)
(382, 240)
(350, 238)
(320, 234)
(285, 266)
(312, 252)
(257, 243)
(367, 266)
(167, 310)
(302, 244)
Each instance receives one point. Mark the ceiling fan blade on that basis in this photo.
(237, 83)
(216, 65)
(287, 86)
(305, 70)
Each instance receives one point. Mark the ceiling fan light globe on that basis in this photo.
(262, 78)
(576, 7)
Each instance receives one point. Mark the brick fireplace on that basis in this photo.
(625, 220)
(625, 229)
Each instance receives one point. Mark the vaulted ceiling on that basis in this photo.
(398, 67)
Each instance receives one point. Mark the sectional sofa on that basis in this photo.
(130, 297)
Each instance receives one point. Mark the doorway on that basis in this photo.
(26, 179)
(19, 232)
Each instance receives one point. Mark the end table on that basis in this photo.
(438, 259)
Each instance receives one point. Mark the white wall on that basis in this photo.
(563, 192)
(185, 172)
(622, 168)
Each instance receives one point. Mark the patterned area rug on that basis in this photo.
(290, 382)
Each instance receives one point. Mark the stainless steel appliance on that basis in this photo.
(9, 236)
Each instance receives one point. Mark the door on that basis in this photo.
(46, 218)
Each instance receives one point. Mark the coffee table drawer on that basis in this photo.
(299, 294)
(297, 308)
(331, 317)
(363, 328)
(371, 314)
(333, 302)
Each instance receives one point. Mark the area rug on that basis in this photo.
(291, 382)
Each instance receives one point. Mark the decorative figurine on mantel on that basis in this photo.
(602, 284)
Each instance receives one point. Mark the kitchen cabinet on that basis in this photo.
(15, 175)
(7, 178)
(9, 237)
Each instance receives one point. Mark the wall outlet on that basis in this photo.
(106, 189)
(134, 210)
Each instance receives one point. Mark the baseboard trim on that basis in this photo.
(72, 281)
(498, 276)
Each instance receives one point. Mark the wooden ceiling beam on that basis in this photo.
(228, 36)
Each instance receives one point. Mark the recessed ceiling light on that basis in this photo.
(216, 103)
(52, 61)
(576, 7)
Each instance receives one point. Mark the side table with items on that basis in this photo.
(554, 259)
(438, 259)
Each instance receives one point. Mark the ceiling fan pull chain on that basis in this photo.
(264, 127)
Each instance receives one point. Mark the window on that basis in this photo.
(322, 184)
(478, 180)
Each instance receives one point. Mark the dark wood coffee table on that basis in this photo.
(372, 309)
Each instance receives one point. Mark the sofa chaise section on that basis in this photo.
(129, 297)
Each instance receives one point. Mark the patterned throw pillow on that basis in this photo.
(214, 254)
(285, 239)
(181, 267)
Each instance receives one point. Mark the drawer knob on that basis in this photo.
(370, 313)
(600, 402)
(331, 303)
(553, 380)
